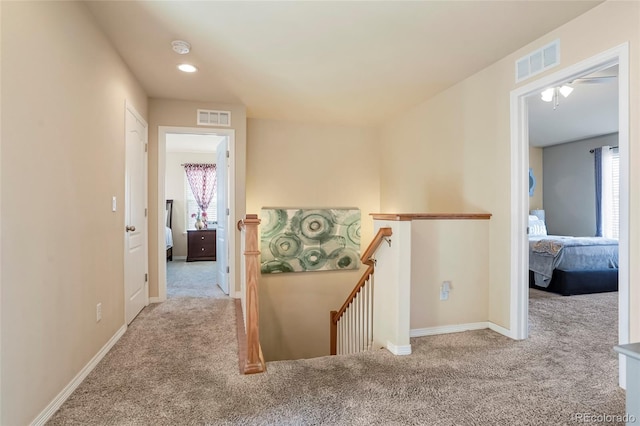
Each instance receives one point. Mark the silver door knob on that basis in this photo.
(130, 228)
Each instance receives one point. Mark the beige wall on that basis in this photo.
(452, 152)
(173, 113)
(304, 165)
(63, 107)
(535, 162)
(175, 190)
(455, 251)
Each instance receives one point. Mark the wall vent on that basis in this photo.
(208, 117)
(538, 61)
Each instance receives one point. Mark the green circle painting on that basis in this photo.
(299, 240)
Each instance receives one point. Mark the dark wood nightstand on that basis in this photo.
(201, 245)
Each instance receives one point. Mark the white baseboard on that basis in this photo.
(500, 329)
(57, 402)
(155, 300)
(457, 328)
(237, 295)
(399, 349)
(179, 257)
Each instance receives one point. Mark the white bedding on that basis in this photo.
(168, 237)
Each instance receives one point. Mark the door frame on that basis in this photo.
(145, 173)
(231, 195)
(519, 277)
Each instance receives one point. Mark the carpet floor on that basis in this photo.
(177, 365)
(192, 279)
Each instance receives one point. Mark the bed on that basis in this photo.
(571, 265)
(168, 230)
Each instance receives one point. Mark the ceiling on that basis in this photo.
(590, 110)
(339, 62)
(181, 142)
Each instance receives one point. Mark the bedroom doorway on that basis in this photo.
(520, 189)
(183, 251)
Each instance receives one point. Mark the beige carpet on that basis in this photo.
(192, 279)
(177, 365)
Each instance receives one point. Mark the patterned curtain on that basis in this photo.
(202, 180)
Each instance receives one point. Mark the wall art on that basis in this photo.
(305, 240)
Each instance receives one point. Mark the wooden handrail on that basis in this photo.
(375, 243)
(254, 362)
(367, 259)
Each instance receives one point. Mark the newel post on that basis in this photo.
(333, 333)
(255, 361)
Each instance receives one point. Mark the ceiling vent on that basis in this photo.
(538, 61)
(208, 117)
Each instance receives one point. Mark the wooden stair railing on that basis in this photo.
(250, 352)
(351, 327)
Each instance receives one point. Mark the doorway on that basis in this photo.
(519, 274)
(228, 255)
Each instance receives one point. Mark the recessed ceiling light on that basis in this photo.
(180, 47)
(187, 68)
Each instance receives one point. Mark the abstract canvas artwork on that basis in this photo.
(304, 240)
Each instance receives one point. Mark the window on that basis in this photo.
(615, 186)
(192, 207)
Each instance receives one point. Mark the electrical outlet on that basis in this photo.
(98, 312)
(444, 290)
(444, 295)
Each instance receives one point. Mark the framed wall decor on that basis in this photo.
(309, 240)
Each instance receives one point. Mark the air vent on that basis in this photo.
(538, 61)
(207, 117)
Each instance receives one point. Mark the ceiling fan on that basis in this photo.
(594, 79)
(552, 94)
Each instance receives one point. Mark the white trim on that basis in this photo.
(399, 349)
(237, 295)
(499, 329)
(154, 300)
(458, 328)
(446, 329)
(162, 148)
(57, 402)
(179, 257)
(519, 200)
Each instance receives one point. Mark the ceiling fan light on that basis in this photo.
(566, 90)
(547, 95)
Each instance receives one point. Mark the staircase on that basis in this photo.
(351, 327)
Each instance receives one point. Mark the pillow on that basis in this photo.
(537, 228)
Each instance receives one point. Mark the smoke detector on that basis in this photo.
(180, 47)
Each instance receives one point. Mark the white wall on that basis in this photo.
(569, 186)
(175, 190)
(63, 158)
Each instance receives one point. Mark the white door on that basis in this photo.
(135, 257)
(222, 253)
